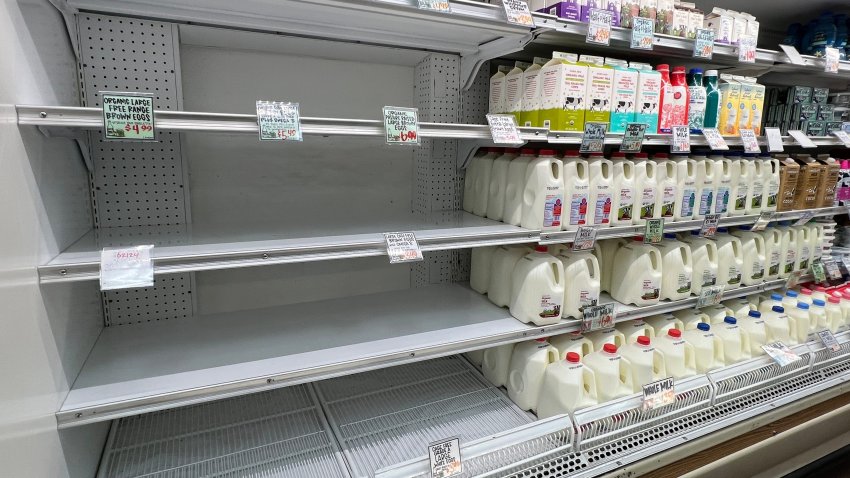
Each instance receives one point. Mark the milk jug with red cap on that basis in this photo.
(679, 358)
(571, 342)
(568, 385)
(612, 372)
(646, 362)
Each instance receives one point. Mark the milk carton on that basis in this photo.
(648, 102)
(569, 9)
(730, 99)
(681, 18)
(612, 6)
(628, 11)
(537, 291)
(497, 90)
(530, 113)
(528, 366)
(695, 22)
(567, 386)
(739, 26)
(624, 95)
(664, 16)
(513, 92)
(563, 93)
(746, 102)
(721, 23)
(648, 9)
(600, 89)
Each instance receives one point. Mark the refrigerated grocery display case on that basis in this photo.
(277, 339)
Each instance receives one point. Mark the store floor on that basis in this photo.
(834, 465)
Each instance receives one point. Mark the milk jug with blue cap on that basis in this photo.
(754, 331)
(708, 347)
(736, 345)
(800, 323)
(778, 325)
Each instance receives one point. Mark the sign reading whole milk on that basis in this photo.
(128, 116)
(657, 394)
(597, 317)
(585, 238)
(633, 138)
(680, 139)
(562, 93)
(654, 231)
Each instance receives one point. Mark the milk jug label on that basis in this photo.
(647, 203)
(722, 204)
(705, 201)
(805, 253)
(578, 209)
(758, 269)
(741, 197)
(549, 307)
(689, 198)
(552, 210)
(602, 211)
(668, 201)
(709, 278)
(774, 263)
(624, 213)
(684, 283)
(587, 298)
(758, 192)
(790, 259)
(734, 275)
(650, 289)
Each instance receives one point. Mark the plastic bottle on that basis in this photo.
(665, 113)
(543, 194)
(730, 260)
(668, 189)
(504, 261)
(789, 251)
(755, 331)
(537, 291)
(715, 313)
(792, 35)
(790, 299)
(737, 307)
(819, 292)
(804, 249)
(753, 254)
(686, 176)
(723, 179)
(756, 193)
(624, 192)
(736, 346)
(632, 329)
(772, 253)
(845, 309)
(647, 363)
(661, 323)
(818, 315)
(676, 264)
(704, 261)
(606, 336)
(480, 268)
(816, 239)
(690, 318)
(481, 187)
(582, 269)
(638, 278)
(779, 326)
(525, 375)
(601, 175)
(572, 342)
(576, 191)
(567, 386)
(770, 181)
(824, 35)
(741, 185)
(834, 316)
(805, 296)
(707, 187)
(775, 299)
(708, 348)
(515, 186)
(712, 100)
(698, 101)
(646, 182)
(679, 355)
(801, 322)
(612, 371)
(471, 182)
(496, 363)
(605, 251)
(498, 184)
(681, 96)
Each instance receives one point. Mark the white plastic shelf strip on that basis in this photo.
(279, 433)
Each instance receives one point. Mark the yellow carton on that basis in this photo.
(563, 85)
(730, 96)
(530, 114)
(745, 102)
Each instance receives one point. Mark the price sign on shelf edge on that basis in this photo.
(518, 13)
(801, 138)
(599, 27)
(831, 58)
(680, 140)
(710, 295)
(763, 220)
(843, 137)
(593, 139)
(780, 353)
(805, 218)
(128, 116)
(633, 138)
(747, 49)
(596, 317)
(714, 139)
(709, 225)
(654, 231)
(751, 143)
(585, 238)
(504, 130)
(402, 247)
(659, 393)
(278, 121)
(643, 36)
(126, 267)
(444, 457)
(818, 271)
(436, 5)
(704, 44)
(828, 340)
(774, 140)
(401, 125)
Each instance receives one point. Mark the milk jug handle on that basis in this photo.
(590, 379)
(626, 373)
(718, 349)
(659, 366)
(690, 356)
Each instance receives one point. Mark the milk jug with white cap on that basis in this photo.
(779, 326)
(668, 188)
(753, 255)
(703, 261)
(804, 248)
(649, 200)
(525, 374)
(495, 364)
(730, 260)
(479, 268)
(571, 342)
(772, 253)
(834, 317)
(638, 278)
(632, 329)
(515, 186)
(706, 186)
(613, 373)
(690, 318)
(646, 362)
(687, 201)
(499, 183)
(504, 261)
(661, 323)
(817, 313)
(775, 299)
(601, 176)
(605, 252)
(606, 336)
(624, 193)
(708, 348)
(543, 195)
(582, 271)
(723, 180)
(740, 185)
(770, 183)
(792, 248)
(576, 191)
(736, 346)
(754, 331)
(679, 357)
(756, 192)
(567, 386)
(676, 264)
(537, 290)
(800, 322)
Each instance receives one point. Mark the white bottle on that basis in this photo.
(819, 292)
(704, 261)
(766, 305)
(661, 323)
(690, 318)
(790, 299)
(845, 308)
(601, 175)
(779, 326)
(740, 186)
(816, 239)
(687, 201)
(679, 356)
(753, 250)
(632, 329)
(582, 269)
(677, 267)
(537, 290)
(605, 252)
(646, 362)
(606, 336)
(543, 195)
(738, 307)
(646, 182)
(834, 315)
(515, 186)
(708, 348)
(800, 322)
(668, 189)
(495, 364)
(572, 342)
(817, 313)
(638, 277)
(804, 248)
(567, 386)
(525, 375)
(772, 253)
(707, 187)
(624, 199)
(612, 371)
(805, 295)
(789, 240)
(723, 180)
(715, 313)
(730, 260)
(498, 184)
(576, 191)
(755, 331)
(756, 192)
(481, 186)
(770, 182)
(502, 267)
(480, 267)
(469, 179)
(736, 346)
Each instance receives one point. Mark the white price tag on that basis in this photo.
(793, 54)
(585, 238)
(518, 13)
(597, 317)
(653, 232)
(751, 143)
(633, 138)
(829, 340)
(402, 247)
(436, 5)
(711, 295)
(642, 33)
(714, 139)
(805, 218)
(680, 140)
(445, 459)
(125, 268)
(801, 138)
(704, 44)
(781, 353)
(599, 27)
(657, 394)
(747, 49)
(832, 57)
(278, 121)
(503, 129)
(843, 137)
(764, 219)
(401, 125)
(709, 225)
(593, 140)
(128, 116)
(774, 140)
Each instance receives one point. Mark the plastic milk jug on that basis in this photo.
(469, 181)
(676, 264)
(834, 316)
(690, 318)
(576, 191)
(755, 331)
(790, 299)
(572, 342)
(819, 292)
(816, 237)
(632, 329)
(753, 247)
(613, 373)
(649, 198)
(741, 185)
(729, 259)
(567, 386)
(756, 192)
(770, 185)
(737, 307)
(715, 313)
(525, 374)
(703, 261)
(668, 189)
(779, 326)
(804, 248)
(606, 336)
(687, 201)
(708, 348)
(723, 180)
(605, 252)
(789, 251)
(707, 187)
(537, 290)
(805, 295)
(646, 362)
(775, 299)
(498, 184)
(679, 357)
(543, 195)
(845, 308)
(624, 193)
(800, 322)
(495, 363)
(772, 253)
(481, 187)
(736, 345)
(582, 271)
(638, 277)
(661, 323)
(817, 312)
(601, 176)
(502, 267)
(479, 269)
(515, 186)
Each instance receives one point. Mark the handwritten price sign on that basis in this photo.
(125, 268)
(518, 13)
(401, 125)
(599, 27)
(704, 44)
(128, 116)
(435, 5)
(642, 33)
(279, 121)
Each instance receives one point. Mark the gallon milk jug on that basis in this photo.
(770, 182)
(816, 238)
(481, 186)
(687, 201)
(504, 261)
(646, 181)
(479, 268)
(601, 176)
(690, 318)
(754, 331)
(723, 180)
(756, 192)
(525, 374)
(638, 274)
(605, 252)
(470, 182)
(753, 249)
(515, 186)
(475, 356)
(805, 295)
(800, 322)
(819, 292)
(775, 299)
(537, 290)
(576, 191)
(790, 299)
(833, 314)
(612, 372)
(679, 357)
(543, 195)
(736, 346)
(661, 323)
(778, 326)
(741, 185)
(738, 307)
(668, 189)
(582, 269)
(499, 183)
(624, 193)
(715, 313)
(495, 363)
(772, 253)
(707, 187)
(606, 336)
(571, 342)
(730, 259)
(676, 263)
(632, 329)
(708, 348)
(791, 250)
(646, 362)
(704, 261)
(817, 312)
(804, 248)
(567, 386)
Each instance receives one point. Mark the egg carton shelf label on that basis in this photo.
(279, 121)
(128, 116)
(402, 247)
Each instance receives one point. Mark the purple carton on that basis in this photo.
(569, 10)
(612, 6)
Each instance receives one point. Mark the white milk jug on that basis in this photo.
(476, 357)
(804, 247)
(834, 315)
(703, 261)
(543, 195)
(790, 299)
(679, 357)
(515, 186)
(638, 277)
(601, 176)
(775, 299)
(791, 250)
(499, 183)
(479, 268)
(676, 264)
(668, 189)
(730, 260)
(706, 181)
(753, 250)
(661, 323)
(819, 292)
(624, 193)
(845, 307)
(571, 342)
(525, 374)
(495, 364)
(772, 253)
(816, 238)
(504, 261)
(646, 362)
(741, 185)
(690, 318)
(632, 329)
(779, 326)
(605, 252)
(687, 201)
(817, 312)
(708, 348)
(737, 307)
(581, 270)
(481, 187)
(800, 322)
(756, 192)
(770, 182)
(648, 196)
(715, 313)
(612, 371)
(537, 291)
(606, 336)
(470, 185)
(736, 346)
(723, 180)
(805, 295)
(754, 331)
(567, 386)
(576, 191)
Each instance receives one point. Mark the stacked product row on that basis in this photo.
(828, 31)
(573, 371)
(802, 108)
(543, 285)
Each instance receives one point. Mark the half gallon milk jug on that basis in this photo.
(632, 329)
(800, 322)
(736, 346)
(481, 186)
(537, 291)
(707, 187)
(515, 187)
(624, 193)
(690, 318)
(741, 185)
(525, 374)
(772, 253)
(804, 247)
(479, 269)
(495, 364)
(708, 348)
(567, 386)
(819, 292)
(817, 312)
(638, 274)
(737, 307)
(790, 299)
(668, 189)
(687, 201)
(723, 180)
(816, 238)
(543, 195)
(791, 249)
(646, 181)
(571, 342)
(805, 295)
(679, 358)
(499, 183)
(756, 194)
(676, 264)
(703, 261)
(576, 191)
(753, 328)
(845, 307)
(582, 269)
(601, 176)
(612, 372)
(730, 260)
(753, 248)
(661, 323)
(606, 336)
(715, 313)
(646, 362)
(770, 184)
(605, 252)
(775, 299)
(834, 316)
(778, 326)
(502, 267)
(471, 183)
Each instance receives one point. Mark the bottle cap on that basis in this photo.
(756, 314)
(643, 340)
(818, 302)
(675, 333)
(820, 289)
(527, 151)
(791, 293)
(573, 357)
(833, 300)
(660, 156)
(669, 235)
(778, 308)
(547, 152)
(573, 153)
(710, 73)
(723, 230)
(541, 339)
(802, 305)
(678, 69)
(805, 291)
(703, 326)
(696, 71)
(540, 248)
(610, 348)
(730, 320)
